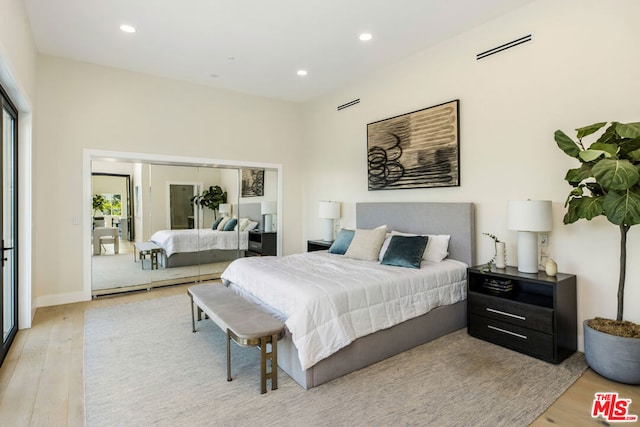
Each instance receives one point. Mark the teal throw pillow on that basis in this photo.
(342, 242)
(405, 251)
(230, 224)
(216, 223)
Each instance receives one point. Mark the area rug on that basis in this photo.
(144, 366)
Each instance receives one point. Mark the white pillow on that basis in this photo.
(437, 246)
(223, 223)
(251, 225)
(242, 224)
(366, 244)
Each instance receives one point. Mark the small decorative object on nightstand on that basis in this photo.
(318, 245)
(532, 313)
(262, 243)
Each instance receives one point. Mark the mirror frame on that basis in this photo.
(89, 155)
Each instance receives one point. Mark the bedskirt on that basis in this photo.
(375, 347)
(203, 257)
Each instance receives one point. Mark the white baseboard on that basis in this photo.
(58, 299)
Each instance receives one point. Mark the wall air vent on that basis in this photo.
(348, 104)
(505, 46)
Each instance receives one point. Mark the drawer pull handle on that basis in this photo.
(524, 337)
(506, 314)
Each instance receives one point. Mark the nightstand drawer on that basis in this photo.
(255, 246)
(511, 336)
(509, 311)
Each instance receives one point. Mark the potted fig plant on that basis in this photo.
(210, 198)
(608, 183)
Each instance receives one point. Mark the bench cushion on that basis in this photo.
(230, 311)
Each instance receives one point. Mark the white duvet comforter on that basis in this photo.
(195, 240)
(329, 300)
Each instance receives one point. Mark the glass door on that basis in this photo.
(9, 224)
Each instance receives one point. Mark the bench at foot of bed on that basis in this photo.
(245, 323)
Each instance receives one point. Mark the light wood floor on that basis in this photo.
(41, 380)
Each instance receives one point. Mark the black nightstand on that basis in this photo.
(318, 245)
(262, 243)
(531, 313)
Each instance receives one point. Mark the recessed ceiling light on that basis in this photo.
(302, 72)
(127, 28)
(365, 37)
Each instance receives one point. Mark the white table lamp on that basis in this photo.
(528, 217)
(268, 209)
(224, 209)
(329, 211)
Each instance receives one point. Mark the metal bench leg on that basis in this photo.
(263, 365)
(265, 356)
(193, 320)
(274, 362)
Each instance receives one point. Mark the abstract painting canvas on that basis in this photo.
(252, 182)
(415, 150)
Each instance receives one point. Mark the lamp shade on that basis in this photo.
(224, 208)
(529, 215)
(329, 210)
(267, 208)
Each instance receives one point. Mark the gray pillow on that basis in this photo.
(342, 242)
(405, 251)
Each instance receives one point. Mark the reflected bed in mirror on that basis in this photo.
(204, 246)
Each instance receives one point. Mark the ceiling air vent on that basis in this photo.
(505, 46)
(348, 104)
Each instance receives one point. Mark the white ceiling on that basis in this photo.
(253, 46)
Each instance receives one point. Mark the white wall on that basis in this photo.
(18, 68)
(85, 106)
(580, 68)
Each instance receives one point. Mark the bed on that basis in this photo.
(327, 356)
(203, 246)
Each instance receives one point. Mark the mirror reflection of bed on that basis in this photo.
(153, 211)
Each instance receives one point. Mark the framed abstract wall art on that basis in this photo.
(252, 182)
(415, 150)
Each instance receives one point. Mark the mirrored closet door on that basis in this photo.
(162, 232)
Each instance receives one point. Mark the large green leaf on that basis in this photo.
(583, 208)
(588, 130)
(629, 149)
(576, 192)
(610, 149)
(566, 144)
(593, 155)
(576, 176)
(610, 136)
(623, 207)
(571, 215)
(628, 130)
(615, 174)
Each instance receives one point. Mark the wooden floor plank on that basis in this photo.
(52, 397)
(16, 408)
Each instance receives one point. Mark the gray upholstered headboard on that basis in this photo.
(456, 219)
(249, 210)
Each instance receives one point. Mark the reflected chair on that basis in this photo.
(105, 236)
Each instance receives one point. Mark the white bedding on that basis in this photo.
(195, 240)
(329, 300)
